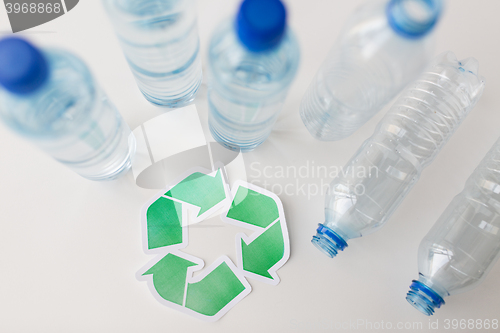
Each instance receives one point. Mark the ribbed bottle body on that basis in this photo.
(160, 41)
(369, 64)
(72, 120)
(247, 89)
(464, 243)
(406, 140)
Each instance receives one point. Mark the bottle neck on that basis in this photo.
(328, 241)
(413, 19)
(424, 297)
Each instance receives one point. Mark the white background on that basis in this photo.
(70, 248)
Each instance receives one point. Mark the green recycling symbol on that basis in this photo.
(212, 293)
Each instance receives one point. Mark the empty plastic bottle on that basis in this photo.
(406, 140)
(383, 47)
(252, 61)
(160, 41)
(464, 244)
(50, 98)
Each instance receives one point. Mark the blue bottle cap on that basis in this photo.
(413, 18)
(424, 298)
(260, 24)
(23, 68)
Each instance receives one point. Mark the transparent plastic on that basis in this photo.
(464, 244)
(247, 89)
(160, 41)
(71, 119)
(383, 47)
(407, 139)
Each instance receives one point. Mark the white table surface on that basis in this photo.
(70, 248)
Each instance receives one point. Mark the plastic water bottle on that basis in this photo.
(384, 46)
(388, 164)
(160, 41)
(252, 61)
(50, 98)
(464, 244)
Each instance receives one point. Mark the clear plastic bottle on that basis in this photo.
(252, 62)
(160, 41)
(383, 47)
(388, 164)
(50, 98)
(464, 244)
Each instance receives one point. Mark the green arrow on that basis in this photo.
(253, 208)
(164, 217)
(214, 292)
(169, 277)
(264, 252)
(200, 190)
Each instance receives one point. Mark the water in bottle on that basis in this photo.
(252, 61)
(50, 98)
(160, 41)
(406, 140)
(383, 47)
(464, 244)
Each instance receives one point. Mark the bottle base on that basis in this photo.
(111, 167)
(121, 171)
(168, 102)
(328, 241)
(328, 123)
(244, 148)
(423, 298)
